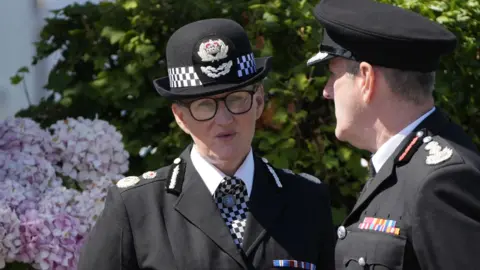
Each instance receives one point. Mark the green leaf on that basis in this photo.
(115, 36)
(281, 116)
(132, 4)
(16, 79)
(100, 82)
(443, 20)
(23, 70)
(269, 17)
(257, 6)
(144, 49)
(345, 153)
(438, 6)
(301, 81)
(66, 101)
(131, 68)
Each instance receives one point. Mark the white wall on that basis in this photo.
(18, 27)
(20, 24)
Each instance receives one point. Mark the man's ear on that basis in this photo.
(367, 74)
(259, 101)
(179, 115)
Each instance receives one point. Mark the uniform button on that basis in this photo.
(420, 134)
(361, 261)
(341, 232)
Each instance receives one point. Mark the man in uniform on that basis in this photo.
(218, 205)
(421, 207)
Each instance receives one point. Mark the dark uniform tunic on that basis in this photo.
(422, 209)
(170, 221)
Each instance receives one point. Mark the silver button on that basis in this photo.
(265, 160)
(427, 139)
(341, 232)
(177, 160)
(228, 200)
(420, 134)
(361, 261)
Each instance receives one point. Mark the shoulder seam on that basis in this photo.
(306, 176)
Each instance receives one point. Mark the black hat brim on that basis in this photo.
(162, 85)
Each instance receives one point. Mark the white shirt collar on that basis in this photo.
(387, 149)
(213, 176)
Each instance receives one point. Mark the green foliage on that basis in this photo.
(18, 266)
(111, 52)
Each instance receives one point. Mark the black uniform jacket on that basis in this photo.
(163, 224)
(422, 209)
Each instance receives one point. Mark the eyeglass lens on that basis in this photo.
(236, 102)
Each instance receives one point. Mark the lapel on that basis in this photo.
(434, 123)
(374, 186)
(266, 206)
(196, 204)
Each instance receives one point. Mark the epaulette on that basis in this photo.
(436, 154)
(176, 176)
(131, 181)
(272, 172)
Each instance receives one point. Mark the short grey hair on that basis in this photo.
(414, 86)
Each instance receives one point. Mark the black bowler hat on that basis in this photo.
(209, 57)
(380, 34)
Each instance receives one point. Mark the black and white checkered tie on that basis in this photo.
(231, 198)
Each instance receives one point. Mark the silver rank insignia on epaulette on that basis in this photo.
(176, 177)
(274, 174)
(128, 181)
(437, 154)
(149, 175)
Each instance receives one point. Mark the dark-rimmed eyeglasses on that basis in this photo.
(236, 102)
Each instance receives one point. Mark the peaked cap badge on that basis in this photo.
(211, 51)
(436, 154)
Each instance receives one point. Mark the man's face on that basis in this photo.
(227, 136)
(343, 89)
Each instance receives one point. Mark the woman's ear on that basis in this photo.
(259, 101)
(179, 115)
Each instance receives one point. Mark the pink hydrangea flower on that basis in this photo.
(88, 149)
(27, 170)
(26, 136)
(10, 242)
(42, 222)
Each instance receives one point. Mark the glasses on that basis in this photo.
(238, 102)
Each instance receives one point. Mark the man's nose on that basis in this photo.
(327, 93)
(328, 90)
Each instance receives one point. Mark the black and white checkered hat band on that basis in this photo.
(187, 77)
(183, 77)
(246, 65)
